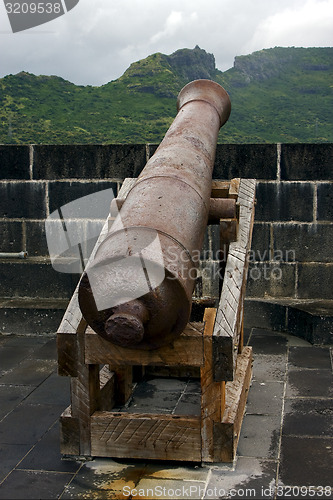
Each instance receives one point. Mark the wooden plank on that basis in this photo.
(227, 330)
(186, 350)
(69, 434)
(107, 383)
(220, 189)
(67, 354)
(226, 433)
(234, 188)
(84, 395)
(159, 437)
(212, 393)
(124, 383)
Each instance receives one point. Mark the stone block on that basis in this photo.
(325, 201)
(12, 236)
(253, 161)
(285, 201)
(271, 279)
(15, 162)
(303, 242)
(314, 324)
(114, 161)
(63, 192)
(31, 317)
(36, 244)
(264, 314)
(260, 248)
(315, 281)
(306, 162)
(22, 200)
(35, 279)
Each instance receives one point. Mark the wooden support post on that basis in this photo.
(212, 393)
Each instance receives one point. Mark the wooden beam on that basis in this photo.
(226, 433)
(187, 350)
(212, 393)
(227, 330)
(159, 437)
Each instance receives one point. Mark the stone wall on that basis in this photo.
(291, 255)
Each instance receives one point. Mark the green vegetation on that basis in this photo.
(277, 95)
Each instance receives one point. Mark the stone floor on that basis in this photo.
(285, 448)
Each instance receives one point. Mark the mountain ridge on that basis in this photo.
(278, 95)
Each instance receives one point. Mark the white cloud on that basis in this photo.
(97, 40)
(306, 25)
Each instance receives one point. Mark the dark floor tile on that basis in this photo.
(309, 383)
(189, 404)
(260, 476)
(22, 484)
(268, 367)
(11, 396)
(267, 342)
(54, 390)
(26, 424)
(3, 340)
(10, 456)
(306, 461)
(46, 455)
(10, 357)
(259, 436)
(46, 351)
(308, 417)
(265, 398)
(25, 341)
(163, 400)
(168, 384)
(29, 372)
(193, 387)
(310, 357)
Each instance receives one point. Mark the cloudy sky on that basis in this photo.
(98, 39)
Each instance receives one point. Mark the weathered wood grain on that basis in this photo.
(107, 388)
(186, 350)
(212, 393)
(69, 434)
(67, 354)
(160, 437)
(220, 189)
(226, 433)
(228, 324)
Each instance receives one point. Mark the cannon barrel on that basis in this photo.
(137, 291)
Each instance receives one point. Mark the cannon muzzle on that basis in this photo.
(137, 292)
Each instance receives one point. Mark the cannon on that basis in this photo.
(137, 291)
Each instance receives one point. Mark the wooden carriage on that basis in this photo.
(102, 373)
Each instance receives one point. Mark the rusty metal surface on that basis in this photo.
(160, 225)
(221, 208)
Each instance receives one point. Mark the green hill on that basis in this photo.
(277, 95)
